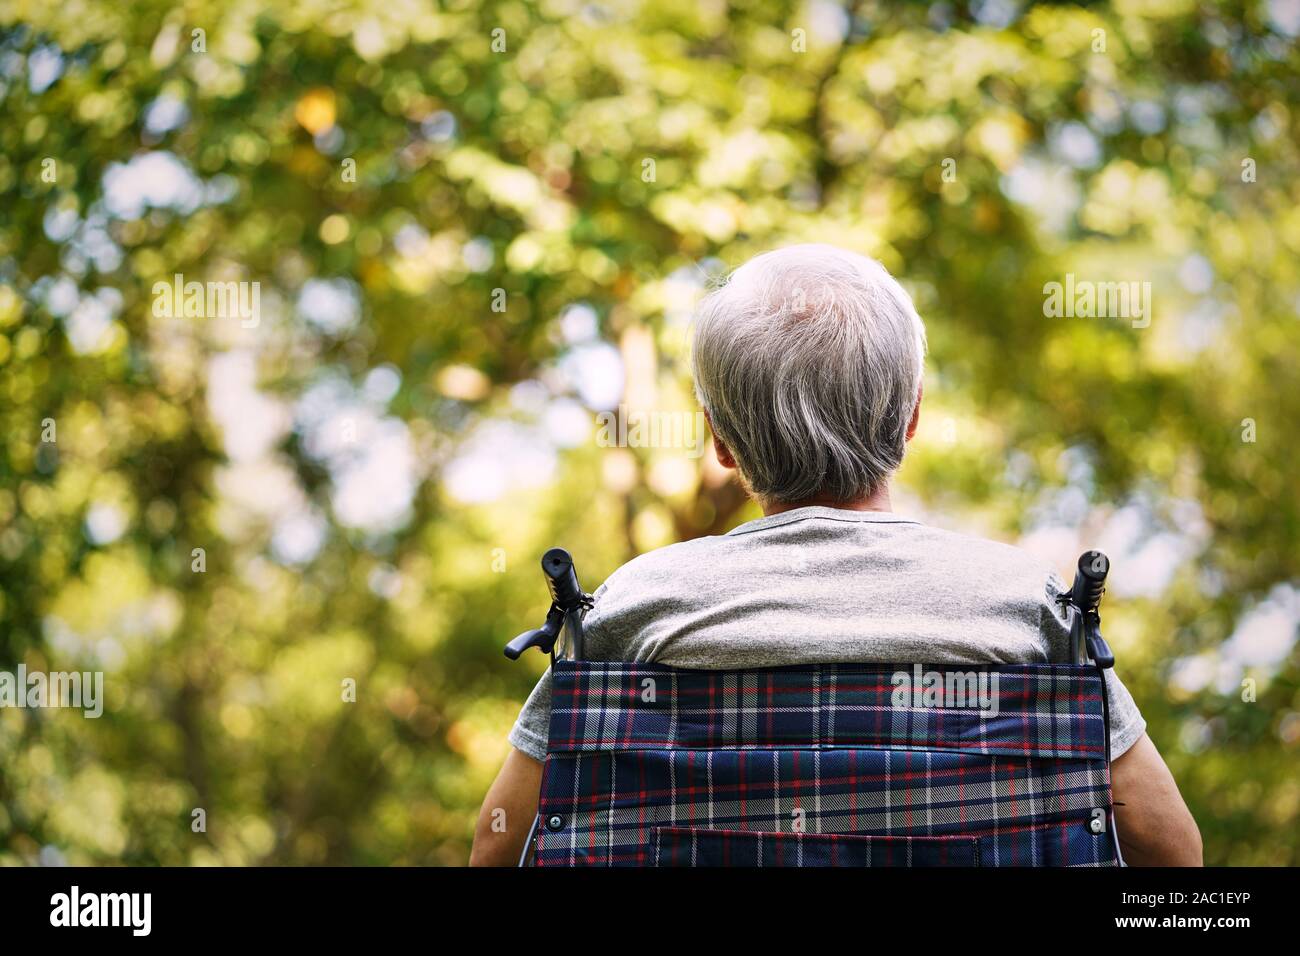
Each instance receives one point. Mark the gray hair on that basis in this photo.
(808, 361)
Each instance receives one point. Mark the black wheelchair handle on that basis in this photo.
(543, 637)
(561, 579)
(1098, 649)
(568, 601)
(524, 641)
(1090, 581)
(1085, 624)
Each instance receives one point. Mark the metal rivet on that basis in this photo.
(554, 822)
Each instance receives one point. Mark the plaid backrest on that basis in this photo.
(857, 765)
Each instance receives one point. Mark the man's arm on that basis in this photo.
(1154, 825)
(508, 812)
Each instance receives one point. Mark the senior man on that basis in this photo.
(808, 363)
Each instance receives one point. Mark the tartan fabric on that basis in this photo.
(653, 766)
(683, 846)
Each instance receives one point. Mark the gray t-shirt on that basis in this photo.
(824, 586)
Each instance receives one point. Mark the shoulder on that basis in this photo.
(658, 583)
(975, 554)
(669, 564)
(993, 567)
(955, 555)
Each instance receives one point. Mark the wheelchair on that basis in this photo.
(824, 765)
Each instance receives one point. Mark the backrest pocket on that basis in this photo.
(692, 846)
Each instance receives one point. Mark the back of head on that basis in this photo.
(808, 361)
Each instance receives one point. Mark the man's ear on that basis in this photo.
(725, 458)
(916, 413)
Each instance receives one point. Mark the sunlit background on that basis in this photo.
(475, 226)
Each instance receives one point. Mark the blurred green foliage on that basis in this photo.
(373, 470)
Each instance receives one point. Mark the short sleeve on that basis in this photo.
(532, 728)
(1126, 722)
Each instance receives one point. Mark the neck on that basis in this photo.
(878, 500)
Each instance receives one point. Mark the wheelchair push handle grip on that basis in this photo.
(1090, 581)
(561, 579)
(1085, 595)
(568, 601)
